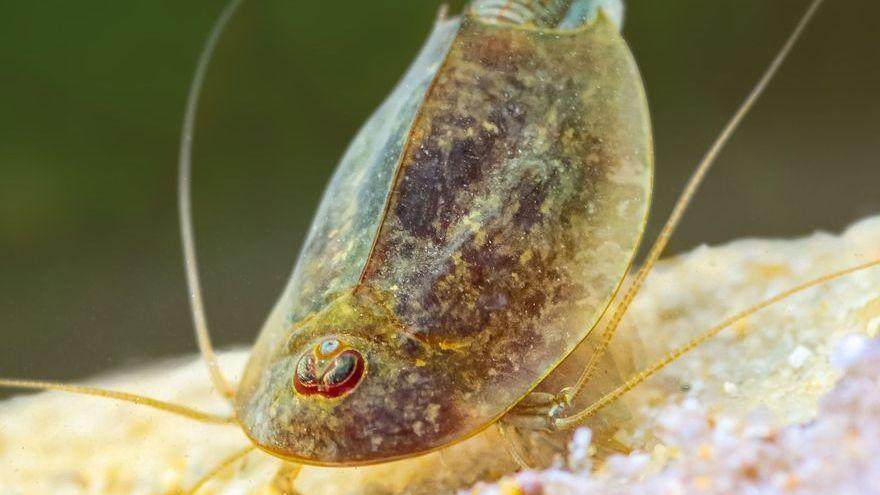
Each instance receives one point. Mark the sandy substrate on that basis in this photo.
(738, 413)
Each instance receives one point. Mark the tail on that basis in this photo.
(548, 14)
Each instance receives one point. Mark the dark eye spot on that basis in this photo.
(343, 367)
(343, 375)
(306, 380)
(328, 377)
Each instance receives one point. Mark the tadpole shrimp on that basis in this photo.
(477, 231)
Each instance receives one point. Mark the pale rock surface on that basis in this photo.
(837, 453)
(730, 416)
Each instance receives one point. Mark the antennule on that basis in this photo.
(200, 321)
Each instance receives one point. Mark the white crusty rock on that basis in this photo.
(738, 415)
(836, 453)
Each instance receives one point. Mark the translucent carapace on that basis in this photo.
(472, 236)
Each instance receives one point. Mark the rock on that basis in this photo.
(731, 415)
(837, 453)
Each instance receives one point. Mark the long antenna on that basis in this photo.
(184, 411)
(687, 195)
(200, 321)
(579, 417)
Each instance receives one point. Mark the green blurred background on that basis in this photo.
(91, 98)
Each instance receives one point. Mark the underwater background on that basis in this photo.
(92, 95)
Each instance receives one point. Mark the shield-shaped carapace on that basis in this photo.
(473, 234)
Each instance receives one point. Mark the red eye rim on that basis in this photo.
(320, 386)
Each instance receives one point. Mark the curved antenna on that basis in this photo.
(140, 400)
(609, 398)
(185, 203)
(687, 195)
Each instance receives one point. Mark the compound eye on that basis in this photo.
(306, 377)
(330, 369)
(344, 367)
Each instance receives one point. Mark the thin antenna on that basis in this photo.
(687, 195)
(200, 321)
(168, 407)
(581, 416)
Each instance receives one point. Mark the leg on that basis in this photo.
(285, 478)
(232, 459)
(513, 444)
(547, 412)
(538, 410)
